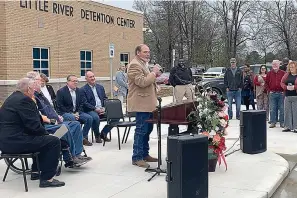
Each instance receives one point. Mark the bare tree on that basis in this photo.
(281, 16)
(209, 33)
(150, 21)
(233, 15)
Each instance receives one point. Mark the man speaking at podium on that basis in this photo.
(142, 99)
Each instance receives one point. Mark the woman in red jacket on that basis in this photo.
(289, 84)
(261, 92)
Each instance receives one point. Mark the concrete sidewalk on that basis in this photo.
(111, 174)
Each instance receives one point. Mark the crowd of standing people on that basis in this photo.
(275, 91)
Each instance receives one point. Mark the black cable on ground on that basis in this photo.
(232, 146)
(232, 152)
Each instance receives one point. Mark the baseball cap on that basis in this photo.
(232, 60)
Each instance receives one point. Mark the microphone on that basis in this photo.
(159, 99)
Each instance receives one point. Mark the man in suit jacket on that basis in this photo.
(74, 136)
(70, 142)
(21, 131)
(70, 105)
(95, 96)
(142, 99)
(48, 90)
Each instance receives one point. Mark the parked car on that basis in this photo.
(215, 72)
(197, 73)
(197, 70)
(216, 84)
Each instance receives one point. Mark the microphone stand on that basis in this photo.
(157, 170)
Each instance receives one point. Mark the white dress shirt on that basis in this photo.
(97, 99)
(73, 96)
(46, 94)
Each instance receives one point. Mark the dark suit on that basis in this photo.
(73, 139)
(51, 91)
(88, 94)
(90, 107)
(64, 101)
(45, 107)
(52, 94)
(65, 108)
(21, 131)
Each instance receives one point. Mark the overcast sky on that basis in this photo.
(124, 4)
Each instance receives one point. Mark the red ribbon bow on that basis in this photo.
(219, 151)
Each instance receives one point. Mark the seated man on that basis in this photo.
(52, 122)
(94, 95)
(70, 106)
(21, 131)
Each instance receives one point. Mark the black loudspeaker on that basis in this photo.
(253, 131)
(187, 166)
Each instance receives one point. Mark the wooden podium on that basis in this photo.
(174, 114)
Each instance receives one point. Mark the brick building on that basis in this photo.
(59, 38)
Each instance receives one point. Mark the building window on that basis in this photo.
(124, 58)
(85, 62)
(41, 60)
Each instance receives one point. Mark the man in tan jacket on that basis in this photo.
(142, 99)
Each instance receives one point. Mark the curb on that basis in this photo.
(290, 168)
(280, 180)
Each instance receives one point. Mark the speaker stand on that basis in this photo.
(157, 170)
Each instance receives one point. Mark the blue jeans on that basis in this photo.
(96, 123)
(142, 136)
(83, 119)
(107, 128)
(276, 103)
(73, 137)
(77, 137)
(236, 95)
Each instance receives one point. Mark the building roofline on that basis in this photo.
(97, 3)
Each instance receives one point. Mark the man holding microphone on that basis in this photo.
(142, 99)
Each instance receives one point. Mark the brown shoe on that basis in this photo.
(98, 140)
(141, 163)
(104, 137)
(87, 143)
(150, 159)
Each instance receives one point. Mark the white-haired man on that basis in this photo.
(21, 131)
(73, 137)
(276, 96)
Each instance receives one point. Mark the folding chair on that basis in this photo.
(114, 111)
(130, 115)
(11, 158)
